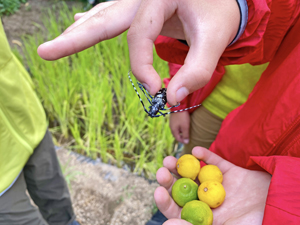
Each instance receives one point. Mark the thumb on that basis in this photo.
(197, 70)
(211, 158)
(207, 37)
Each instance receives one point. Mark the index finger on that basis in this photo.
(142, 33)
(103, 25)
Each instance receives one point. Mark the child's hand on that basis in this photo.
(180, 126)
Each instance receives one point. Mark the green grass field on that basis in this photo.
(91, 104)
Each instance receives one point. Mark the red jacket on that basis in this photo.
(264, 132)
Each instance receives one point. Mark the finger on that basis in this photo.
(77, 16)
(211, 158)
(176, 222)
(166, 204)
(175, 123)
(185, 128)
(143, 31)
(176, 131)
(170, 163)
(208, 36)
(193, 75)
(104, 25)
(165, 178)
(82, 17)
(185, 133)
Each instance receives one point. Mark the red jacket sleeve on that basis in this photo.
(268, 23)
(264, 132)
(282, 205)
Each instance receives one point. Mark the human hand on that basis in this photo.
(246, 191)
(180, 126)
(207, 26)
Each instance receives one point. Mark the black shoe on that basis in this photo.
(157, 219)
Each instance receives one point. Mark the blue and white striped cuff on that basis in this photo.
(244, 19)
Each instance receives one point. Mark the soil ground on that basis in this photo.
(104, 194)
(101, 193)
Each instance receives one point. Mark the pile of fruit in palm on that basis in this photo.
(198, 200)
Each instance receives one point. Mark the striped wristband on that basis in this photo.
(244, 18)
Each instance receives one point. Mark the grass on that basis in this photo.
(90, 102)
(8, 7)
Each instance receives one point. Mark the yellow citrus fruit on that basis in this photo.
(212, 193)
(184, 190)
(197, 213)
(210, 172)
(188, 166)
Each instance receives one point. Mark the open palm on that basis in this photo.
(246, 191)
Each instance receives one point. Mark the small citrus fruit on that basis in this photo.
(184, 190)
(212, 193)
(197, 213)
(210, 172)
(188, 166)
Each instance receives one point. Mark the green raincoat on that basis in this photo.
(22, 118)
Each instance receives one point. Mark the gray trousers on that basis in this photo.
(43, 179)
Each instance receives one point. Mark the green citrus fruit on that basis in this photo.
(197, 213)
(184, 190)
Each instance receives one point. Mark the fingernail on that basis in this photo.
(79, 14)
(181, 94)
(186, 141)
(146, 86)
(47, 43)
